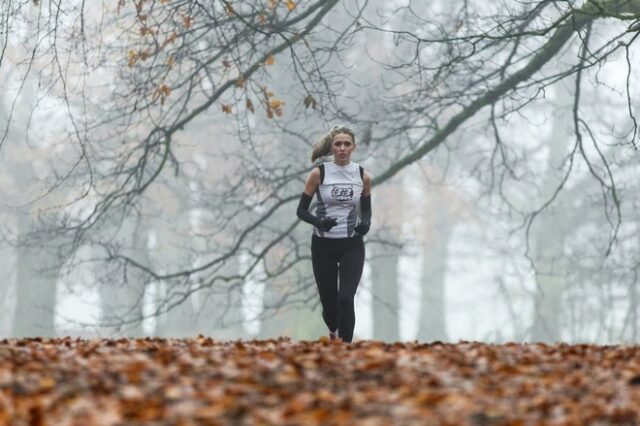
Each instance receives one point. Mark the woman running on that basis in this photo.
(342, 188)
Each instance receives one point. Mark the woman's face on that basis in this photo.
(342, 147)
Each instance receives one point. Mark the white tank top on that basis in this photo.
(339, 197)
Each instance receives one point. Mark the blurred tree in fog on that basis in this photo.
(184, 130)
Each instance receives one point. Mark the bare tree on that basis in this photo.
(146, 72)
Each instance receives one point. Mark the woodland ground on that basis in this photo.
(285, 382)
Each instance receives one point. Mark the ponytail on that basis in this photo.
(323, 146)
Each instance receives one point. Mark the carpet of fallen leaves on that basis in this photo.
(201, 381)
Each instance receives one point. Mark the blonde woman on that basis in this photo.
(342, 218)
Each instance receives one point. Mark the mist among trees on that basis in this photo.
(152, 153)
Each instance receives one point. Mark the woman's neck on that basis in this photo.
(342, 164)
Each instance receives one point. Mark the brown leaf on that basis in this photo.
(187, 21)
(281, 381)
(309, 101)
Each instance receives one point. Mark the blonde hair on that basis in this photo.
(323, 146)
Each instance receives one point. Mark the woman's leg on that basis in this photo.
(325, 270)
(351, 265)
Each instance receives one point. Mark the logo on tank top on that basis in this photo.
(342, 193)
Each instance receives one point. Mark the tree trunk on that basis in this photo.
(123, 301)
(8, 255)
(219, 310)
(385, 290)
(178, 322)
(551, 273)
(36, 277)
(7, 285)
(37, 268)
(432, 321)
(550, 230)
(294, 295)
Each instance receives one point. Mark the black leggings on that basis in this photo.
(338, 261)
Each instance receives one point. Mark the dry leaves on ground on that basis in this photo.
(201, 381)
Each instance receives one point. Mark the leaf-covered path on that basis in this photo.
(202, 381)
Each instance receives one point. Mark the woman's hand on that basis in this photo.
(362, 228)
(326, 223)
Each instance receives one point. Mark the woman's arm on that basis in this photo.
(313, 182)
(310, 186)
(365, 206)
(366, 183)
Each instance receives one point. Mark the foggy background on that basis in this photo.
(152, 157)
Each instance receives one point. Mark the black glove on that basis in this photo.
(365, 216)
(325, 223)
(362, 228)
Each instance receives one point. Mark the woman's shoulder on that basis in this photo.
(323, 160)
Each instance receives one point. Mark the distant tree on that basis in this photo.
(136, 77)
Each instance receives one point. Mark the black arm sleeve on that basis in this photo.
(365, 209)
(303, 210)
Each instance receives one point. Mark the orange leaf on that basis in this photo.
(291, 5)
(165, 90)
(145, 30)
(226, 109)
(144, 55)
(276, 103)
(270, 60)
(47, 383)
(133, 58)
(170, 39)
(250, 106)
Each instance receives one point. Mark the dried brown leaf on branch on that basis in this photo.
(310, 101)
(204, 381)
